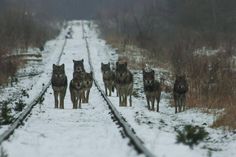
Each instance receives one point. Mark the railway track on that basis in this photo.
(118, 119)
(128, 130)
(19, 120)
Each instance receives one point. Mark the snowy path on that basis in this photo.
(51, 132)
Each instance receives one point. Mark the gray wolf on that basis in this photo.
(179, 92)
(77, 89)
(152, 89)
(59, 84)
(108, 78)
(124, 83)
(87, 85)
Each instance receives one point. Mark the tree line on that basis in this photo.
(176, 31)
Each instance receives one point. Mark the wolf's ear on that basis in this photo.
(73, 61)
(91, 73)
(63, 66)
(53, 66)
(102, 64)
(82, 60)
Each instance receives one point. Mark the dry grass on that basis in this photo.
(227, 119)
(9, 68)
(199, 96)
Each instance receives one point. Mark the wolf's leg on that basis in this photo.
(130, 100)
(158, 101)
(61, 100)
(106, 89)
(175, 101)
(76, 101)
(56, 99)
(83, 96)
(80, 99)
(180, 103)
(62, 97)
(87, 97)
(120, 101)
(184, 102)
(117, 94)
(125, 99)
(153, 103)
(72, 96)
(110, 88)
(148, 103)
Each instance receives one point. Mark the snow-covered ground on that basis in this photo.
(157, 130)
(90, 131)
(85, 132)
(33, 76)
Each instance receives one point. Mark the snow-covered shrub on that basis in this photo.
(6, 117)
(24, 93)
(41, 100)
(20, 105)
(191, 135)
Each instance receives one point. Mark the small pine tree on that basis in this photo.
(24, 93)
(191, 135)
(19, 105)
(41, 100)
(6, 117)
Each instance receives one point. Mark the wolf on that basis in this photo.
(87, 84)
(179, 92)
(152, 89)
(59, 84)
(123, 83)
(108, 78)
(77, 89)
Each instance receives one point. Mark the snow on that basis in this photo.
(157, 130)
(90, 131)
(33, 76)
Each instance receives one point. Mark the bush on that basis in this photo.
(20, 105)
(24, 93)
(191, 135)
(6, 117)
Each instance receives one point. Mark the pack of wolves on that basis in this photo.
(119, 80)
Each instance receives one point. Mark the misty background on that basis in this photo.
(63, 9)
(170, 32)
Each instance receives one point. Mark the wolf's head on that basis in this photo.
(58, 71)
(121, 66)
(88, 78)
(79, 65)
(105, 68)
(181, 83)
(148, 77)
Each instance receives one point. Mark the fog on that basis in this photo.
(64, 9)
